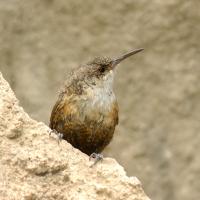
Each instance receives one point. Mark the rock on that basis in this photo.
(34, 166)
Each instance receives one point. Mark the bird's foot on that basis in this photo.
(59, 135)
(96, 157)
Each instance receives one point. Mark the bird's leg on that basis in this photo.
(59, 135)
(97, 157)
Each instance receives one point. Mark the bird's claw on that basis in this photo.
(97, 157)
(59, 135)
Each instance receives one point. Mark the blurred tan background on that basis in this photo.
(158, 91)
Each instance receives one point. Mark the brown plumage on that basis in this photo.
(86, 111)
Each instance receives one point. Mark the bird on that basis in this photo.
(86, 112)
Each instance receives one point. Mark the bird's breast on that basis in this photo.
(100, 99)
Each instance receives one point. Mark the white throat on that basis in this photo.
(102, 95)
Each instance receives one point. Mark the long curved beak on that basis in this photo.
(123, 57)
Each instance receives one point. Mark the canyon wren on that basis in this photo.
(86, 111)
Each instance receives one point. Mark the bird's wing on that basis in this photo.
(55, 116)
(62, 111)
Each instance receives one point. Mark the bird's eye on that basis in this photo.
(102, 68)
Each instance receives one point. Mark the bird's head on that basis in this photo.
(102, 67)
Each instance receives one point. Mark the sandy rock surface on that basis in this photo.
(34, 166)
